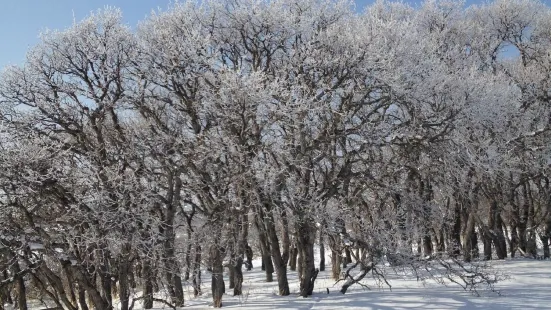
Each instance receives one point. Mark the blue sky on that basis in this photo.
(22, 20)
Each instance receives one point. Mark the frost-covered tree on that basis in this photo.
(400, 136)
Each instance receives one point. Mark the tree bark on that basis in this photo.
(82, 299)
(217, 283)
(249, 254)
(241, 252)
(20, 289)
(172, 274)
(124, 269)
(322, 251)
(279, 259)
(196, 276)
(468, 244)
(265, 250)
(147, 275)
(293, 258)
(306, 236)
(455, 236)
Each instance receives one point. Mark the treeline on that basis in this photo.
(399, 137)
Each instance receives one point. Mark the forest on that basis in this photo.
(134, 159)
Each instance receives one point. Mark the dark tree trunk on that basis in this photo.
(335, 264)
(5, 296)
(455, 236)
(20, 289)
(306, 236)
(279, 259)
(293, 258)
(427, 245)
(105, 278)
(300, 261)
(238, 274)
(217, 284)
(265, 251)
(545, 245)
(132, 276)
(249, 254)
(84, 282)
(322, 251)
(188, 259)
(241, 251)
(487, 241)
(231, 272)
(545, 237)
(262, 262)
(285, 240)
(71, 288)
(147, 275)
(172, 273)
(469, 245)
(348, 255)
(522, 224)
(500, 238)
(124, 268)
(513, 246)
(54, 281)
(82, 299)
(196, 276)
(4, 291)
(495, 232)
(440, 243)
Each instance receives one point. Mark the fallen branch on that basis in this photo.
(154, 299)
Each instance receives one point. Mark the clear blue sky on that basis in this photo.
(22, 20)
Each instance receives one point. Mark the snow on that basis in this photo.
(528, 288)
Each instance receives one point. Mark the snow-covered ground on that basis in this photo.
(528, 288)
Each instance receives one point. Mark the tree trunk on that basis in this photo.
(495, 232)
(249, 254)
(322, 251)
(241, 252)
(105, 279)
(348, 255)
(468, 244)
(188, 259)
(196, 276)
(238, 274)
(172, 273)
(82, 299)
(217, 284)
(84, 282)
(427, 245)
(440, 243)
(335, 264)
(300, 261)
(265, 251)
(487, 241)
(279, 259)
(514, 239)
(546, 236)
(147, 275)
(306, 236)
(124, 287)
(20, 289)
(455, 236)
(293, 258)
(4, 291)
(231, 273)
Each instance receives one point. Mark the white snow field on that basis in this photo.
(528, 288)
